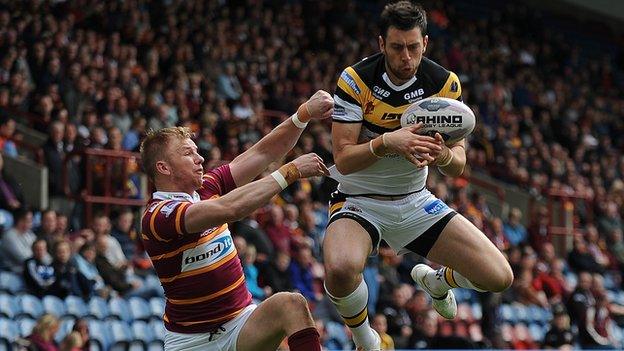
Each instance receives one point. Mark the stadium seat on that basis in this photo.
(534, 314)
(9, 306)
(99, 333)
(520, 312)
(159, 329)
(25, 326)
(571, 279)
(98, 308)
(139, 308)
(9, 330)
(157, 307)
(76, 306)
(477, 311)
(152, 280)
(121, 335)
(142, 331)
(11, 282)
(31, 306)
(65, 328)
(536, 331)
(54, 305)
(507, 314)
(120, 309)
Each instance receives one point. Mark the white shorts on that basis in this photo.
(225, 340)
(412, 223)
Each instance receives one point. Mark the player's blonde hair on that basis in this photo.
(155, 143)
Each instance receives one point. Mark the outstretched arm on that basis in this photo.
(242, 201)
(275, 145)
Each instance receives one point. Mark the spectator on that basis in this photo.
(398, 319)
(515, 232)
(7, 131)
(17, 241)
(247, 255)
(47, 229)
(560, 335)
(274, 273)
(38, 270)
(67, 279)
(114, 253)
(301, 273)
(42, 336)
(82, 327)
(84, 261)
(72, 342)
(380, 324)
(54, 154)
(125, 233)
(11, 198)
(580, 259)
(277, 231)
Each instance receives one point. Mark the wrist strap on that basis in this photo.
(304, 112)
(280, 179)
(297, 122)
(372, 149)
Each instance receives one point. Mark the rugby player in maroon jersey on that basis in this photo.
(185, 233)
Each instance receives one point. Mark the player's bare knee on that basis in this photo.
(289, 301)
(342, 271)
(502, 278)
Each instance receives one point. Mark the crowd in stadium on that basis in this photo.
(94, 74)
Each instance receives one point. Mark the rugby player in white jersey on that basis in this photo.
(381, 192)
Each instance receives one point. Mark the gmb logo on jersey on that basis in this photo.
(207, 253)
(350, 82)
(435, 206)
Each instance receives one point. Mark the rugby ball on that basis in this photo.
(453, 119)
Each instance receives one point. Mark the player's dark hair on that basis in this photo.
(403, 15)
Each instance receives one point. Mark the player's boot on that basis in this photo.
(445, 305)
(375, 347)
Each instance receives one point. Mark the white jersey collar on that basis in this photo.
(171, 195)
(397, 87)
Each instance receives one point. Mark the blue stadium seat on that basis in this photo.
(121, 335)
(620, 298)
(25, 326)
(119, 308)
(159, 329)
(9, 330)
(157, 307)
(536, 331)
(507, 314)
(152, 280)
(76, 306)
(54, 305)
(534, 314)
(156, 346)
(477, 311)
(11, 282)
(142, 332)
(521, 312)
(31, 306)
(571, 279)
(99, 333)
(98, 308)
(9, 306)
(65, 328)
(139, 308)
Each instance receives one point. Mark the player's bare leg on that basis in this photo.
(281, 315)
(470, 261)
(345, 249)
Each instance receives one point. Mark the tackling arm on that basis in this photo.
(275, 145)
